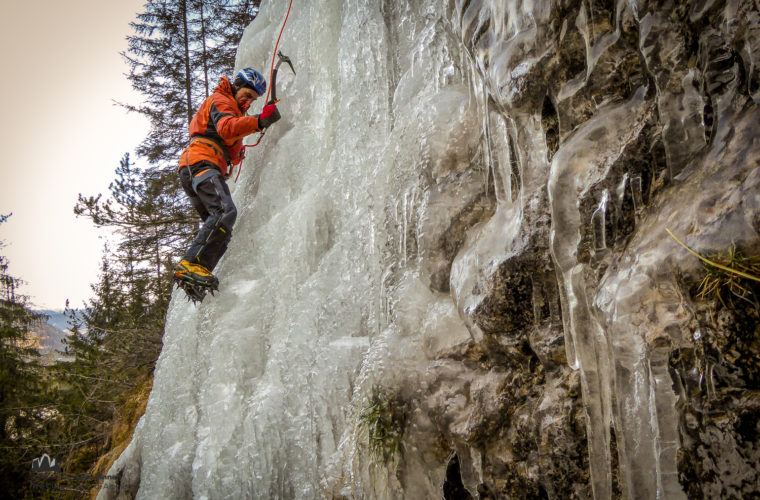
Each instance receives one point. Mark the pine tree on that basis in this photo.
(22, 391)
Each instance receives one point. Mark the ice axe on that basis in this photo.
(281, 58)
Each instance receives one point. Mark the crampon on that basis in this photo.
(195, 290)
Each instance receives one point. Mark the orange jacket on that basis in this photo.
(218, 128)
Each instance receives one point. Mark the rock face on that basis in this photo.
(463, 284)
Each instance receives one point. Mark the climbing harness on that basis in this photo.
(272, 78)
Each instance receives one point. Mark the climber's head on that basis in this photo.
(249, 85)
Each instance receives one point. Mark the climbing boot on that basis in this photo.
(195, 274)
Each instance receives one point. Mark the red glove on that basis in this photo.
(268, 116)
(268, 110)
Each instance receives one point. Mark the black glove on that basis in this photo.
(268, 116)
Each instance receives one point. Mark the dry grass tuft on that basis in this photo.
(727, 273)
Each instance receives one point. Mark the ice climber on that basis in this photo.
(216, 145)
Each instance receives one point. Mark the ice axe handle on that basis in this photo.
(274, 87)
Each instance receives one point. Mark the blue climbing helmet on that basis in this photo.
(249, 77)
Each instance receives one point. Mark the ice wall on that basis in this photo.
(464, 209)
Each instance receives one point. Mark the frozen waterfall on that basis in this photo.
(463, 210)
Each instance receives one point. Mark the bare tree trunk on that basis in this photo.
(203, 41)
(188, 86)
(158, 268)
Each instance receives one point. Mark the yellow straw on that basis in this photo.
(714, 264)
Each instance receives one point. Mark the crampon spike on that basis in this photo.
(195, 292)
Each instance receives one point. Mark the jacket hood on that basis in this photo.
(225, 87)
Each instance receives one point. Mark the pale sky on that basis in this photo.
(61, 135)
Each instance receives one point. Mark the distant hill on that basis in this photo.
(47, 336)
(56, 318)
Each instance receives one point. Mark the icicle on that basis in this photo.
(404, 229)
(599, 223)
(384, 296)
(620, 191)
(397, 216)
(412, 203)
(486, 132)
(710, 380)
(637, 195)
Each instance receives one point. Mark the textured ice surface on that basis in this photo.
(464, 207)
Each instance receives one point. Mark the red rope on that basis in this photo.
(269, 87)
(276, 45)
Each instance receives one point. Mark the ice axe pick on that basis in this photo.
(281, 58)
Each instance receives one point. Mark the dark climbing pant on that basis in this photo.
(211, 198)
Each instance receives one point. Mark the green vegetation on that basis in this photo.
(383, 420)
